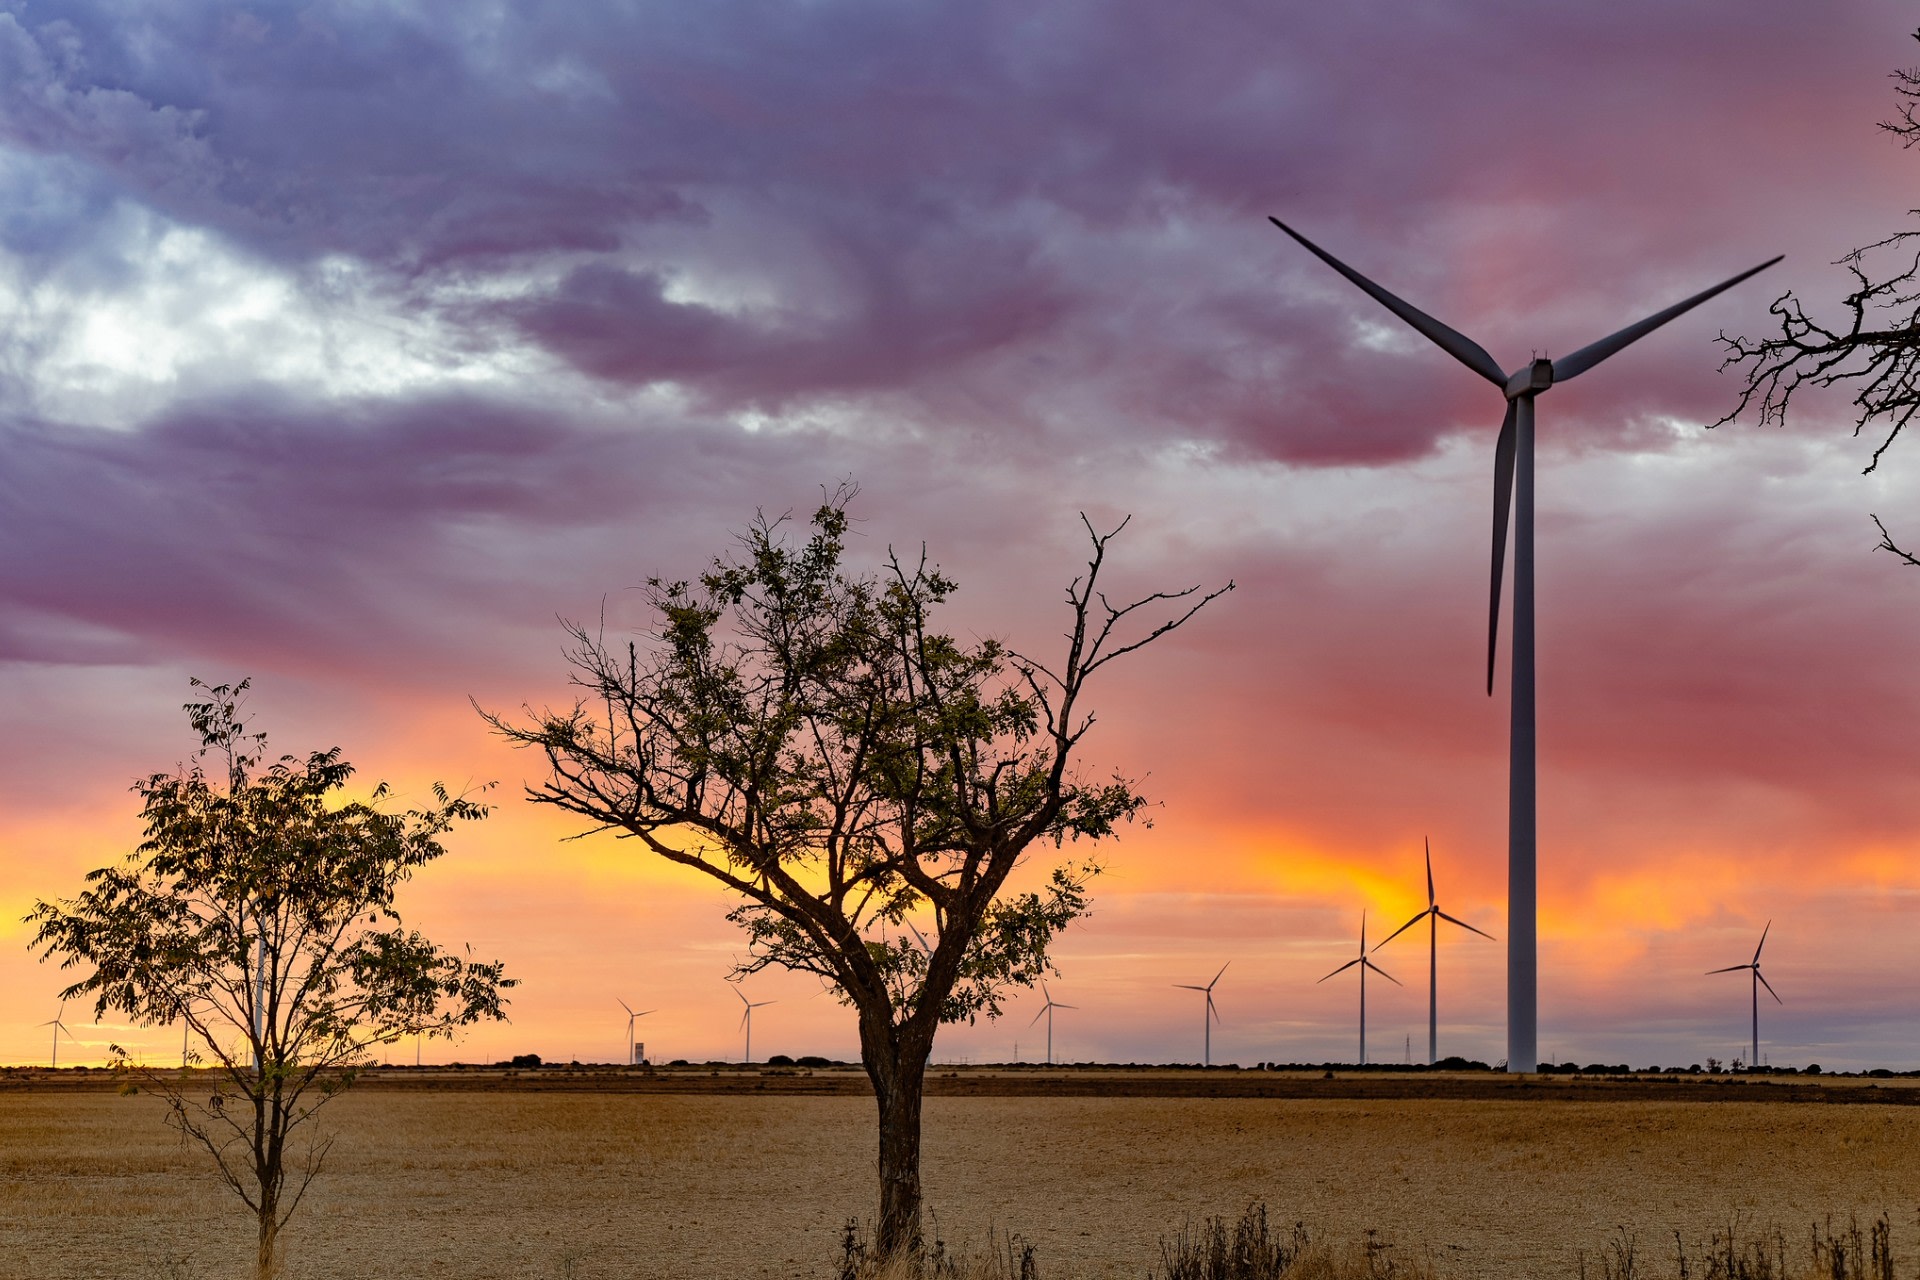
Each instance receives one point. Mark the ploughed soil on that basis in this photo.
(702, 1172)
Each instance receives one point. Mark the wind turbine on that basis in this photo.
(1513, 486)
(1433, 915)
(1209, 1017)
(632, 1018)
(59, 1029)
(1048, 1009)
(746, 1017)
(1365, 964)
(1759, 981)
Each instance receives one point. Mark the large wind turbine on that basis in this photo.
(1047, 1009)
(59, 1029)
(1365, 964)
(1208, 1016)
(746, 1017)
(1433, 915)
(1759, 981)
(632, 1018)
(1513, 486)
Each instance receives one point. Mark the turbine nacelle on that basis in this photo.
(1530, 380)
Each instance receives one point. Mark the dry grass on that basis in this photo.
(638, 1187)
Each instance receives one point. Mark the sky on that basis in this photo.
(349, 347)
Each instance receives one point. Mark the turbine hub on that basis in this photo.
(1535, 378)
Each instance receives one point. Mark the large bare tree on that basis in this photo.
(1874, 345)
(865, 783)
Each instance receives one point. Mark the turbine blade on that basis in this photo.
(1216, 977)
(1768, 986)
(1593, 353)
(1732, 968)
(745, 1016)
(1429, 844)
(1458, 345)
(624, 1005)
(1763, 942)
(1342, 969)
(1066, 1006)
(1464, 925)
(1188, 986)
(1503, 456)
(1041, 1014)
(1382, 972)
(1402, 929)
(1212, 1009)
(743, 997)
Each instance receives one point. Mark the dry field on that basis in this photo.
(431, 1183)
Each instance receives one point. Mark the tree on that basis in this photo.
(805, 736)
(1874, 347)
(262, 915)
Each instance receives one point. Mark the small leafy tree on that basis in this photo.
(260, 912)
(1874, 346)
(807, 737)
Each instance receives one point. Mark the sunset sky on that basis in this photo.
(347, 347)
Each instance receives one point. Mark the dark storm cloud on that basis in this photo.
(986, 201)
(253, 526)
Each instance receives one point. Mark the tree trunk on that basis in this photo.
(896, 1062)
(267, 1267)
(899, 1101)
(269, 1143)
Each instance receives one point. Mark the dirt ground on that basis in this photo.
(429, 1183)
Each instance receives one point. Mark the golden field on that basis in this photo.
(588, 1183)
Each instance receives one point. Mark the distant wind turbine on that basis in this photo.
(1208, 1017)
(1365, 964)
(1433, 915)
(59, 1029)
(1513, 486)
(746, 1017)
(632, 1018)
(1759, 981)
(1047, 1010)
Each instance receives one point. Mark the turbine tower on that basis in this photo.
(59, 1029)
(1433, 915)
(1513, 486)
(632, 1018)
(746, 1017)
(1759, 981)
(1365, 964)
(1208, 1016)
(1047, 1009)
